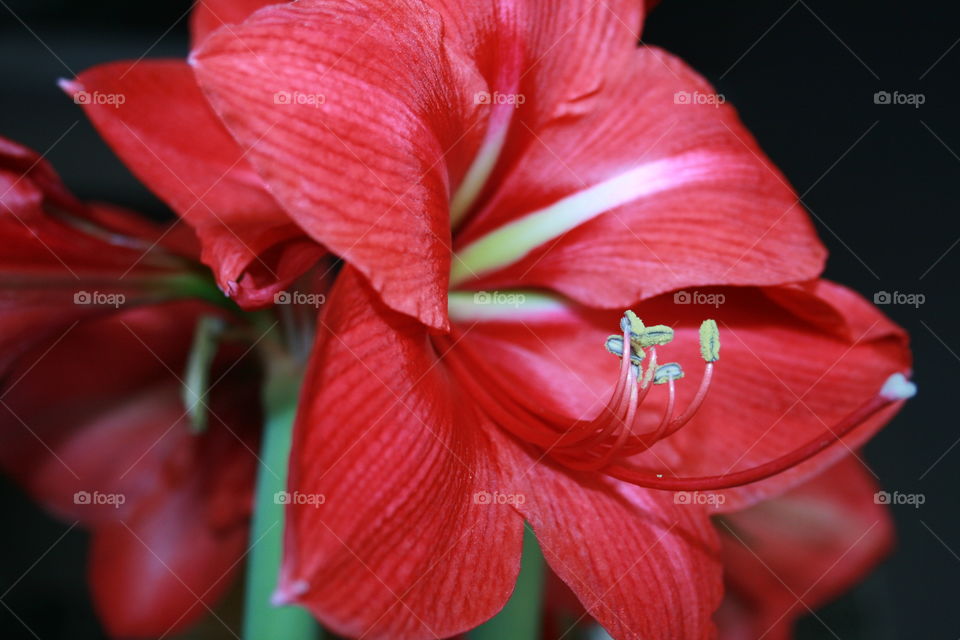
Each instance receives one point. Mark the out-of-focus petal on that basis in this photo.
(168, 135)
(793, 554)
(113, 449)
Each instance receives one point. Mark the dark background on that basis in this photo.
(880, 180)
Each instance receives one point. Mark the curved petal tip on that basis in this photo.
(897, 387)
(70, 87)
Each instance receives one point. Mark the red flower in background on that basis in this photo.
(782, 558)
(441, 150)
(96, 334)
(795, 553)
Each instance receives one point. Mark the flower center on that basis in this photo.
(609, 442)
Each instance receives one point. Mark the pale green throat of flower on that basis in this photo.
(516, 239)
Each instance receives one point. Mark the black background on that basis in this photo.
(880, 180)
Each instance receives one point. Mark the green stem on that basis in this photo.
(520, 618)
(262, 620)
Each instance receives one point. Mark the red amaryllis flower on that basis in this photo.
(435, 443)
(458, 157)
(96, 335)
(788, 556)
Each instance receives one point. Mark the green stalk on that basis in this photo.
(262, 620)
(520, 618)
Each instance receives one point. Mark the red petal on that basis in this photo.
(795, 553)
(176, 550)
(401, 122)
(161, 569)
(398, 455)
(793, 382)
(210, 15)
(642, 565)
(177, 239)
(56, 248)
(534, 47)
(23, 171)
(793, 363)
(367, 171)
(625, 194)
(115, 379)
(170, 138)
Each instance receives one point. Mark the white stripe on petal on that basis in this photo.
(514, 240)
(513, 304)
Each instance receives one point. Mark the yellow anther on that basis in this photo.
(656, 335)
(709, 341)
(632, 322)
(614, 344)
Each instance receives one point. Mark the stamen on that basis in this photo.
(668, 411)
(697, 401)
(657, 335)
(614, 345)
(630, 322)
(608, 442)
(709, 341)
(668, 373)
